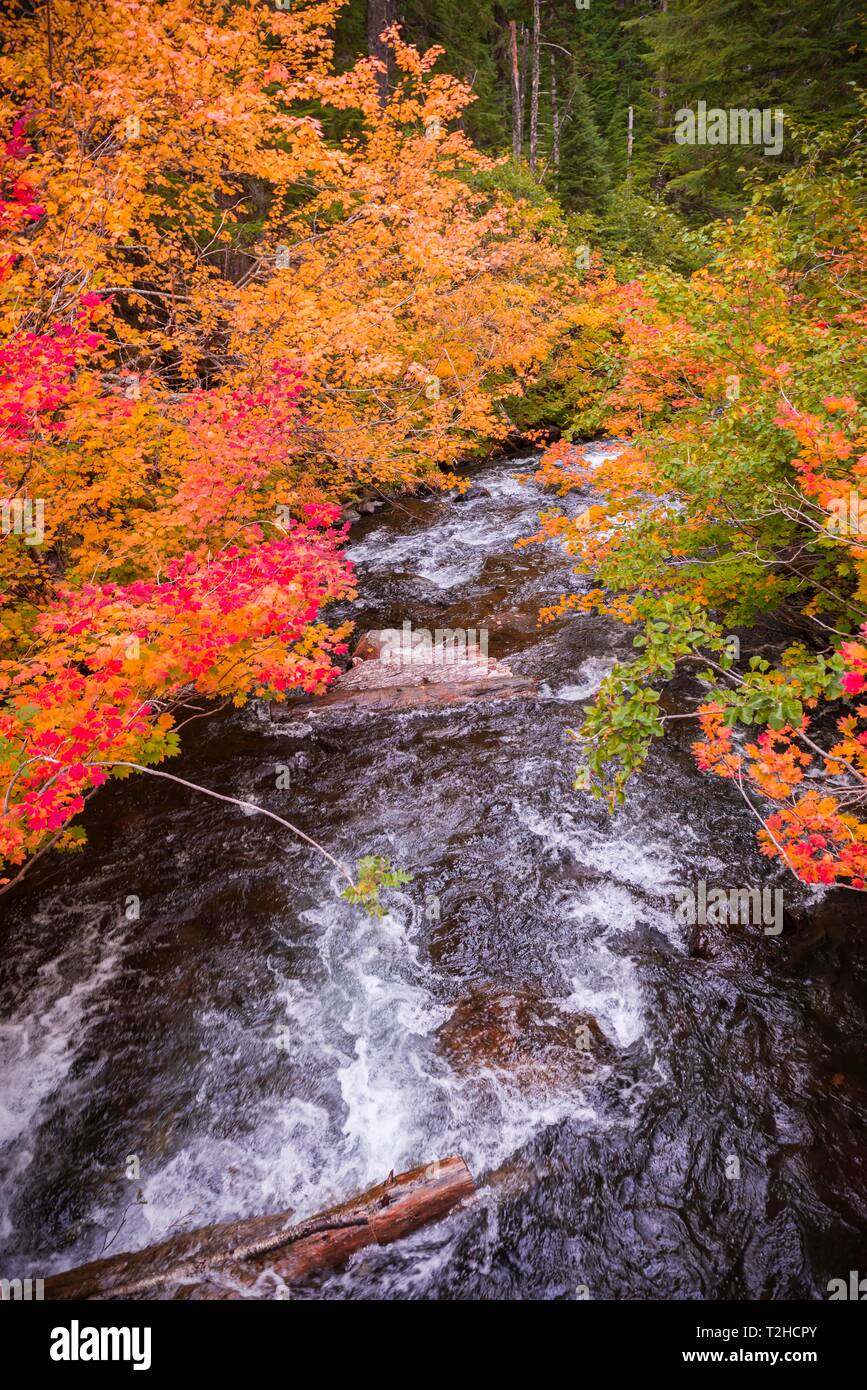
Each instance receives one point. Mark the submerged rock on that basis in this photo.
(425, 589)
(515, 620)
(519, 1032)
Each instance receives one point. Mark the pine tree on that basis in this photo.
(584, 171)
(804, 58)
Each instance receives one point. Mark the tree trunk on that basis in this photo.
(425, 694)
(555, 119)
(380, 13)
(524, 40)
(516, 92)
(226, 1260)
(534, 92)
(660, 91)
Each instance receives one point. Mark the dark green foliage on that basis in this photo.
(655, 56)
(803, 57)
(583, 180)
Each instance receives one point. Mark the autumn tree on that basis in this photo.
(219, 324)
(738, 494)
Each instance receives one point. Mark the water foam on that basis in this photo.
(39, 1042)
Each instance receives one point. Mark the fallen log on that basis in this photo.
(415, 696)
(383, 679)
(227, 1260)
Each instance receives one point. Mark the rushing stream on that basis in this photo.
(257, 1043)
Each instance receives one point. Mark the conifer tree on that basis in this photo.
(584, 177)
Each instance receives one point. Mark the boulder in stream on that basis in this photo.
(471, 493)
(519, 1032)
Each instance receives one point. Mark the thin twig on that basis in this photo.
(232, 801)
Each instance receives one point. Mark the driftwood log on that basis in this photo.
(381, 681)
(228, 1260)
(414, 696)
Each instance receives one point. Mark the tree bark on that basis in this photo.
(380, 13)
(534, 90)
(525, 35)
(422, 695)
(555, 119)
(517, 140)
(226, 1260)
(660, 91)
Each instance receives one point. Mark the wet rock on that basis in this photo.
(426, 589)
(519, 1032)
(748, 944)
(707, 942)
(370, 647)
(726, 942)
(388, 679)
(513, 620)
(472, 492)
(520, 1174)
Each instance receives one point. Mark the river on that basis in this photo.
(257, 1043)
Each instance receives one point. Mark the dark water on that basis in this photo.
(257, 1043)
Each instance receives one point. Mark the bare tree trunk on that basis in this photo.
(629, 145)
(380, 13)
(555, 119)
(534, 93)
(516, 92)
(660, 91)
(524, 40)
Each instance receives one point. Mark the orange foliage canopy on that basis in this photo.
(218, 322)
